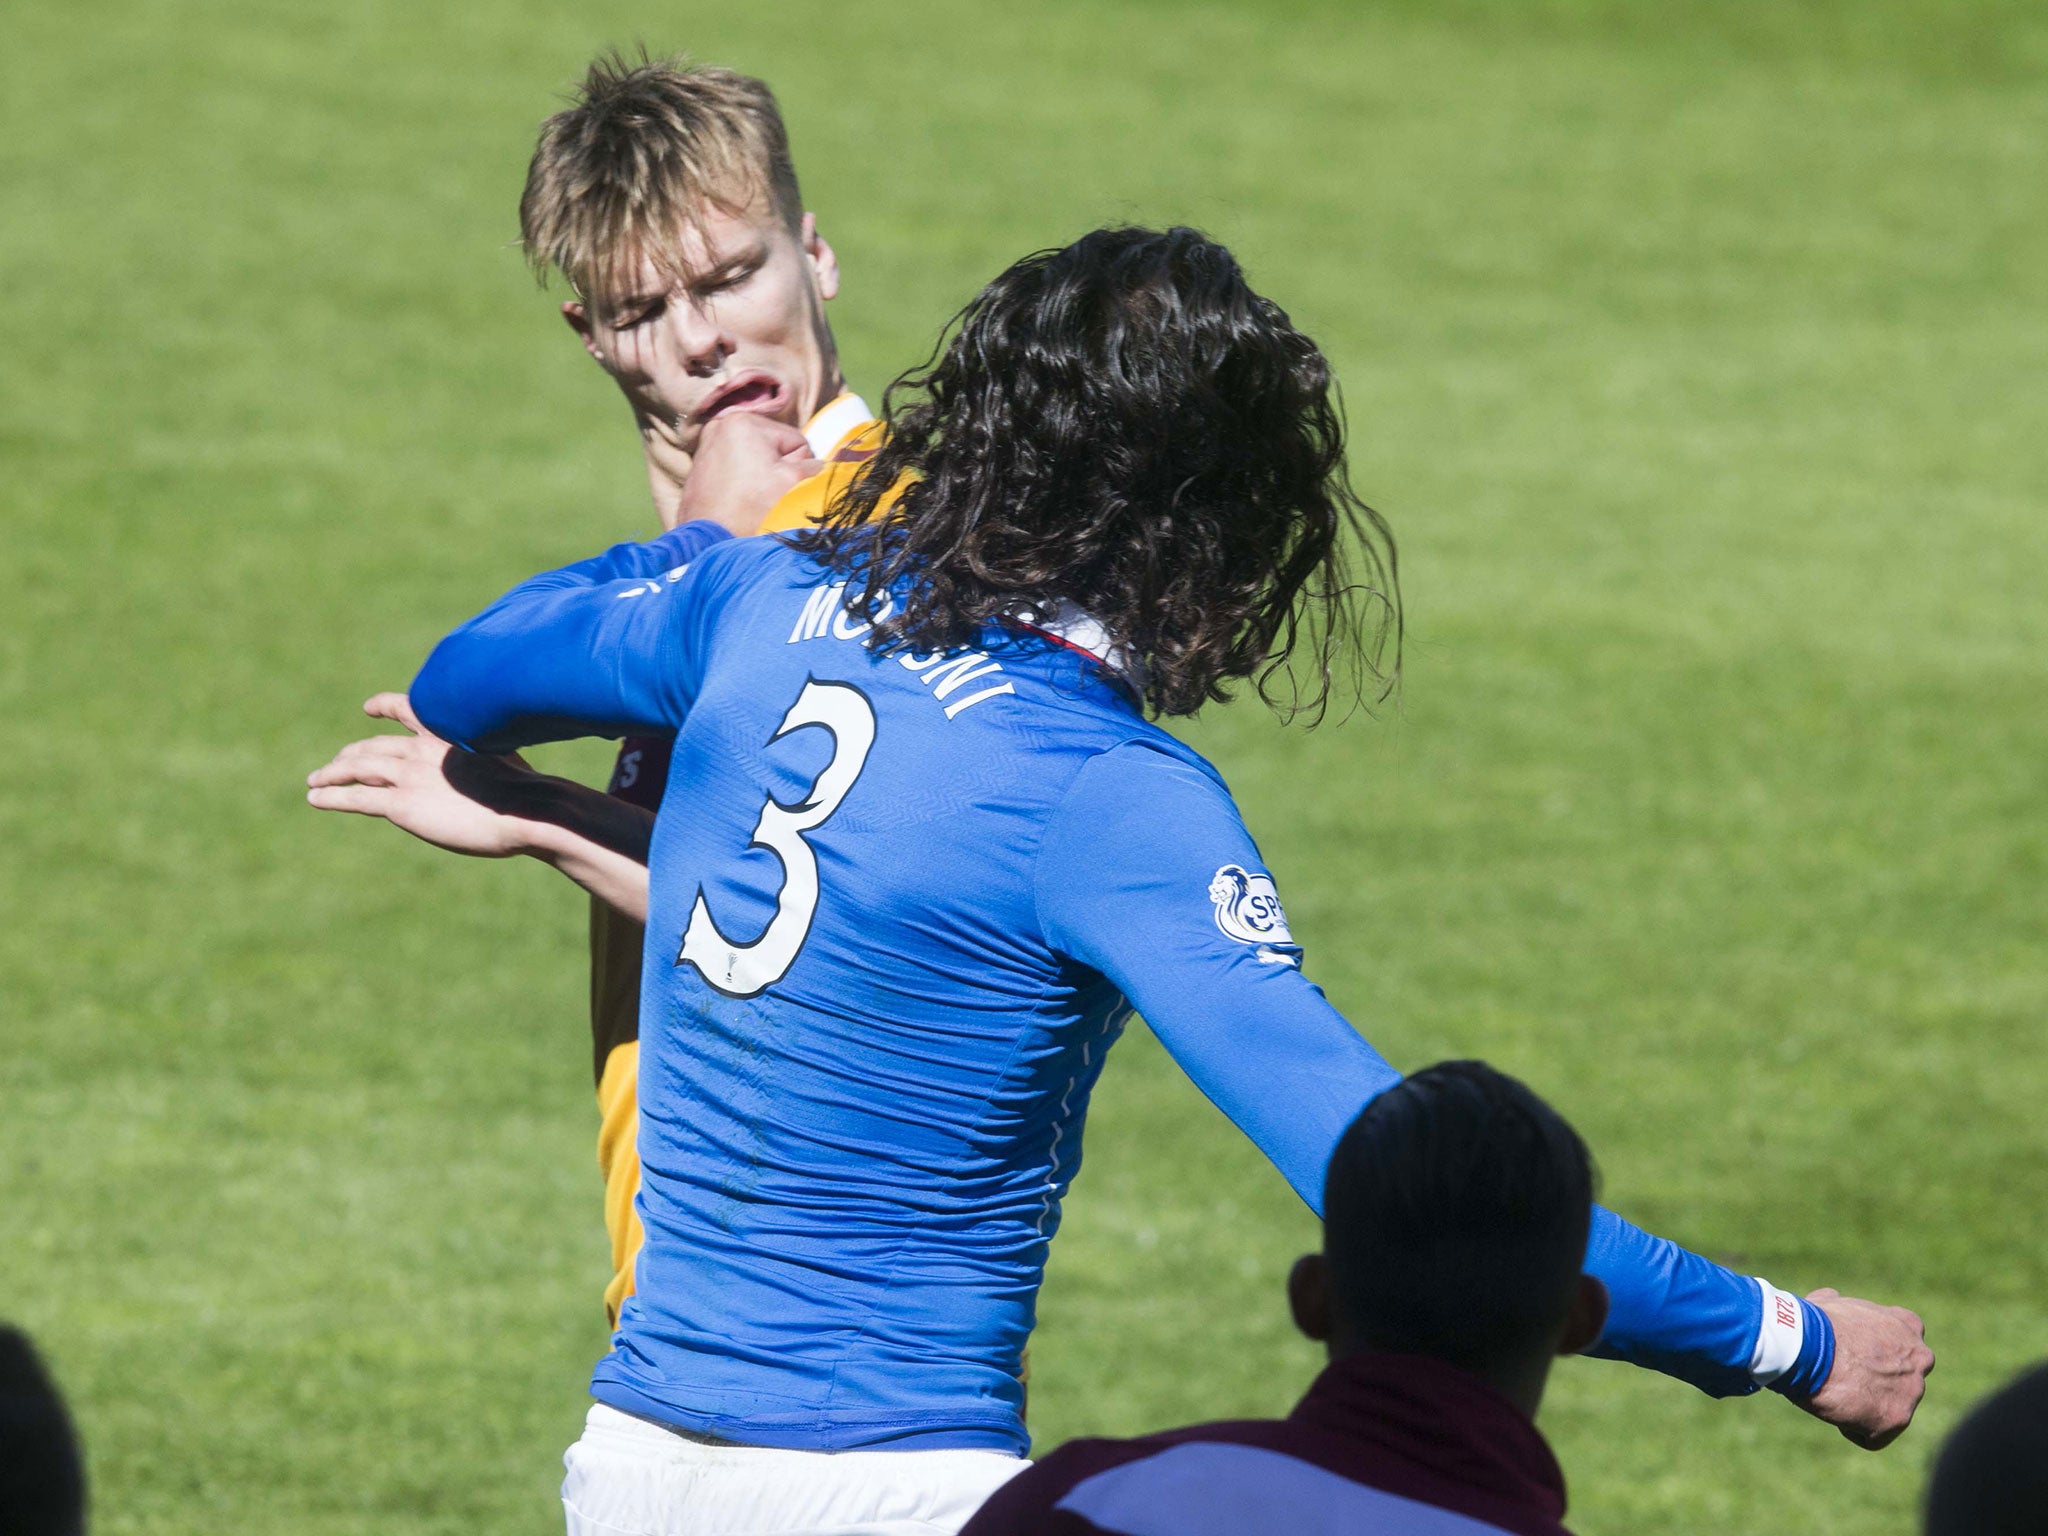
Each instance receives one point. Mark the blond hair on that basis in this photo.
(644, 150)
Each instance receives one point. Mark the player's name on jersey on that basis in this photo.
(944, 673)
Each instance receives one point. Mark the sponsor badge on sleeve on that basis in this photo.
(1248, 910)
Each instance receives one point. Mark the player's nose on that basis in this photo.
(703, 344)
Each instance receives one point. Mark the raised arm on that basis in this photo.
(1148, 875)
(599, 648)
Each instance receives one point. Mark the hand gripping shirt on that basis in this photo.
(912, 903)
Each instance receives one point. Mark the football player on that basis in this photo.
(666, 198)
(937, 851)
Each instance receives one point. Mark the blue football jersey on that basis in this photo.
(895, 925)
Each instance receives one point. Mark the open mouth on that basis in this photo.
(754, 391)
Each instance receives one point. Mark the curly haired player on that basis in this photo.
(936, 854)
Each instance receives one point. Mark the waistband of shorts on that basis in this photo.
(694, 1436)
(779, 1426)
(606, 1419)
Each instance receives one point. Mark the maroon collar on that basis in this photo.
(1444, 1427)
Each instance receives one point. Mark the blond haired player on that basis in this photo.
(666, 198)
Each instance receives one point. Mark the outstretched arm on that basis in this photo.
(605, 647)
(489, 806)
(1148, 875)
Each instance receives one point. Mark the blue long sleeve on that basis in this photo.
(1672, 1310)
(1145, 876)
(1124, 881)
(593, 649)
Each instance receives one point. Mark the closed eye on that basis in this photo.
(728, 280)
(640, 312)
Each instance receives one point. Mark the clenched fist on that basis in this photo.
(744, 462)
(1880, 1369)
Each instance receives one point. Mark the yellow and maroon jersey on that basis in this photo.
(805, 502)
(844, 435)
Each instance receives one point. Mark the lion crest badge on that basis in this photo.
(1248, 910)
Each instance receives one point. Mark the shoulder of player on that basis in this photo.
(1133, 792)
(738, 560)
(1148, 751)
(1055, 1480)
(1349, 1482)
(1022, 1504)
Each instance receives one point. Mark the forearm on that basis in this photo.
(1271, 1053)
(1675, 1312)
(609, 875)
(596, 839)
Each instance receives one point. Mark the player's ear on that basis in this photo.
(1308, 1296)
(823, 259)
(579, 322)
(1586, 1318)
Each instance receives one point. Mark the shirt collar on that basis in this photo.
(835, 422)
(1442, 1419)
(1081, 631)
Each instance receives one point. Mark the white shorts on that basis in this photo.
(627, 1477)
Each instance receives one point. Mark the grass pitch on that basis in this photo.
(1694, 352)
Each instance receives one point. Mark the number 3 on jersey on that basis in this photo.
(745, 970)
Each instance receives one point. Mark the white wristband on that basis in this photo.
(1780, 1336)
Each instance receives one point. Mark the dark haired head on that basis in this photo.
(1991, 1478)
(1124, 425)
(42, 1485)
(1455, 1218)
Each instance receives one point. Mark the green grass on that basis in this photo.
(1694, 352)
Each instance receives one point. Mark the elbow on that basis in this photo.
(440, 699)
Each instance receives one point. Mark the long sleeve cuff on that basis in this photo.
(1795, 1344)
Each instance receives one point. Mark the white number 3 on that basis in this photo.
(745, 970)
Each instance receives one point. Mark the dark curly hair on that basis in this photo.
(1125, 425)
